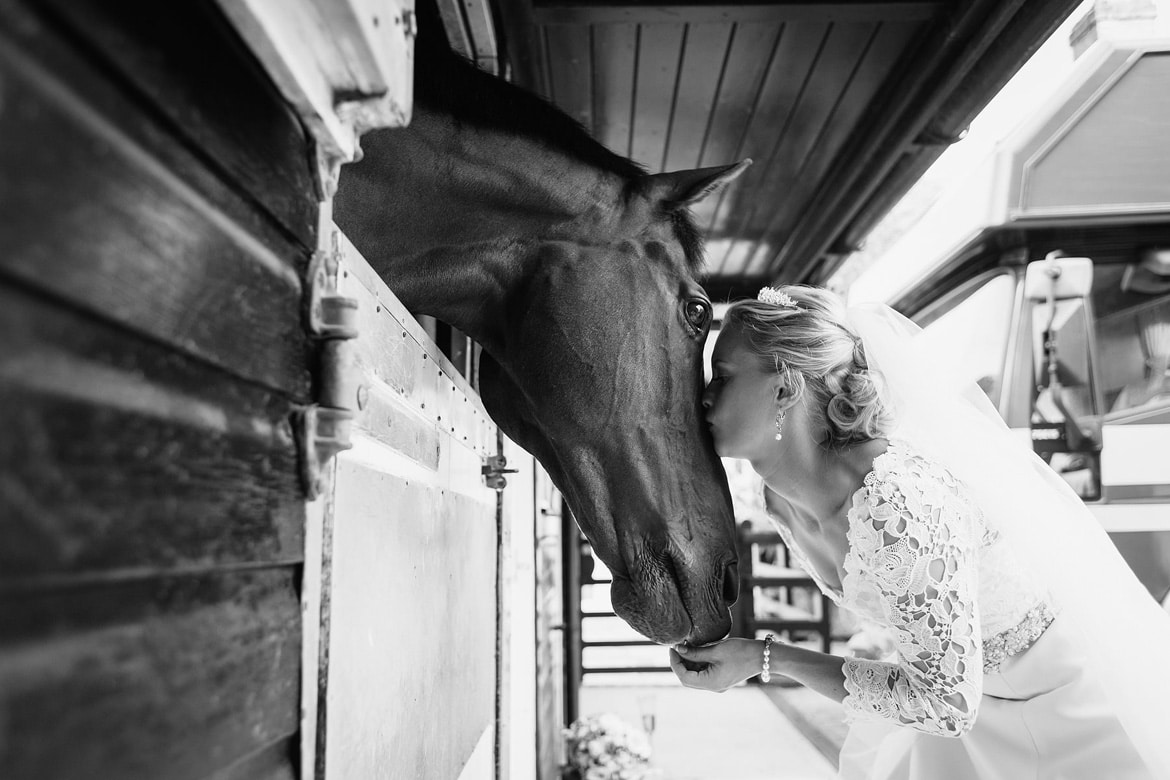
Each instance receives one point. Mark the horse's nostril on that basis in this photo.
(731, 583)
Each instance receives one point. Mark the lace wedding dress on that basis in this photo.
(986, 683)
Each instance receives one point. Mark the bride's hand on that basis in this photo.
(719, 666)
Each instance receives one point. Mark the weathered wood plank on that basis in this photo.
(252, 138)
(704, 11)
(614, 50)
(124, 222)
(870, 74)
(822, 127)
(174, 678)
(659, 51)
(570, 62)
(777, 110)
(123, 458)
(750, 52)
(701, 71)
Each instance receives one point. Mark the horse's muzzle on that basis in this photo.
(660, 611)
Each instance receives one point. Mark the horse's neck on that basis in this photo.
(444, 211)
(484, 185)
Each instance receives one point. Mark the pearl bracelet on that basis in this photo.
(766, 674)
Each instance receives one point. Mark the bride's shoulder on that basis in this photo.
(904, 459)
(904, 473)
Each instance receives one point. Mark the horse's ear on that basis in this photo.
(686, 188)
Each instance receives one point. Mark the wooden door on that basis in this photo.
(407, 671)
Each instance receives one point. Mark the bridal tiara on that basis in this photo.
(776, 297)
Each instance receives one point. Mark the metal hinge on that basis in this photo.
(331, 316)
(322, 432)
(494, 471)
(323, 428)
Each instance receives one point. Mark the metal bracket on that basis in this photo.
(493, 471)
(331, 316)
(321, 433)
(323, 428)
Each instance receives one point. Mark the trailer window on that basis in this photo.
(968, 340)
(1133, 342)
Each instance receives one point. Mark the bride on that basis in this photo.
(1025, 646)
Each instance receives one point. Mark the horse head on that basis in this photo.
(577, 273)
(597, 370)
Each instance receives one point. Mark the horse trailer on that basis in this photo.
(1049, 286)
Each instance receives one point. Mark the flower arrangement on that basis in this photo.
(604, 747)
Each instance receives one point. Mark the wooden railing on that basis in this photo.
(789, 620)
(580, 572)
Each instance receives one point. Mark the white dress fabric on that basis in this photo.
(986, 682)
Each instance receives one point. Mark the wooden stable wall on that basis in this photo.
(159, 212)
(172, 604)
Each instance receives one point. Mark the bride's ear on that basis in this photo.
(787, 395)
(784, 396)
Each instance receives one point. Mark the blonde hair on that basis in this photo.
(819, 357)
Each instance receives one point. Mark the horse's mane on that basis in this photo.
(450, 84)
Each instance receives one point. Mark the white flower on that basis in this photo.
(603, 746)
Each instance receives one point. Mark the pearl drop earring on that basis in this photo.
(780, 425)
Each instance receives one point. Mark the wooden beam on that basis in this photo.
(344, 65)
(607, 12)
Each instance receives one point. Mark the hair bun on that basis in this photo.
(856, 413)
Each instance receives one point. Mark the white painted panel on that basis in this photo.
(1120, 518)
(482, 764)
(411, 683)
(1135, 455)
(518, 617)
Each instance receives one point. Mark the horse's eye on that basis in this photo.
(698, 313)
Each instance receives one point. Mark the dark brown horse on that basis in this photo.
(576, 272)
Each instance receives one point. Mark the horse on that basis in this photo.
(576, 272)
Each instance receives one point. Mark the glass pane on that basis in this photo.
(1133, 342)
(969, 341)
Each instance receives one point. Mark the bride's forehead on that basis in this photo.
(730, 346)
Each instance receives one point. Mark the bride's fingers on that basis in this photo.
(708, 653)
(688, 677)
(684, 665)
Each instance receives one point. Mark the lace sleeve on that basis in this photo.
(914, 540)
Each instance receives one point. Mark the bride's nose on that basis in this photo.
(708, 397)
